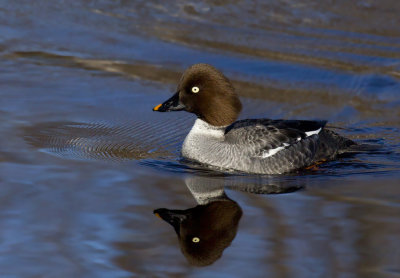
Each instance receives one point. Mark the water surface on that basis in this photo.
(84, 160)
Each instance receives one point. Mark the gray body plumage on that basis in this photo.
(262, 146)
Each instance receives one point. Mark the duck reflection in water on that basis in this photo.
(207, 229)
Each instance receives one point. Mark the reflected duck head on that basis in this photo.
(205, 230)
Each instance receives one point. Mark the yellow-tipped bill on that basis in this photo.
(171, 104)
(157, 107)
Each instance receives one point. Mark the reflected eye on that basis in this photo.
(195, 239)
(195, 90)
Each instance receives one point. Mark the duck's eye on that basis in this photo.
(195, 90)
(195, 239)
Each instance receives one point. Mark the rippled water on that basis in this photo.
(84, 161)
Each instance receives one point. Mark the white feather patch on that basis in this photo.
(271, 152)
(202, 127)
(309, 133)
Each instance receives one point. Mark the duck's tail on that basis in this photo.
(333, 144)
(363, 148)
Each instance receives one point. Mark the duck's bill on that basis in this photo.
(172, 217)
(172, 104)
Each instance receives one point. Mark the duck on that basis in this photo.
(258, 146)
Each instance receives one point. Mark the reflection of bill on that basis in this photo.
(207, 229)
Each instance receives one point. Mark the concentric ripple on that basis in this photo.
(104, 141)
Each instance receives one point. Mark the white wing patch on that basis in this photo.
(271, 152)
(309, 133)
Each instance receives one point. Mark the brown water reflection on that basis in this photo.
(84, 161)
(206, 230)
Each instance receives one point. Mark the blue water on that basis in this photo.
(84, 161)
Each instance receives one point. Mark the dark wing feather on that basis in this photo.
(301, 125)
(261, 135)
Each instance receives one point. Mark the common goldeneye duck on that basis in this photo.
(261, 146)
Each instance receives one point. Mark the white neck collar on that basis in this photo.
(201, 126)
